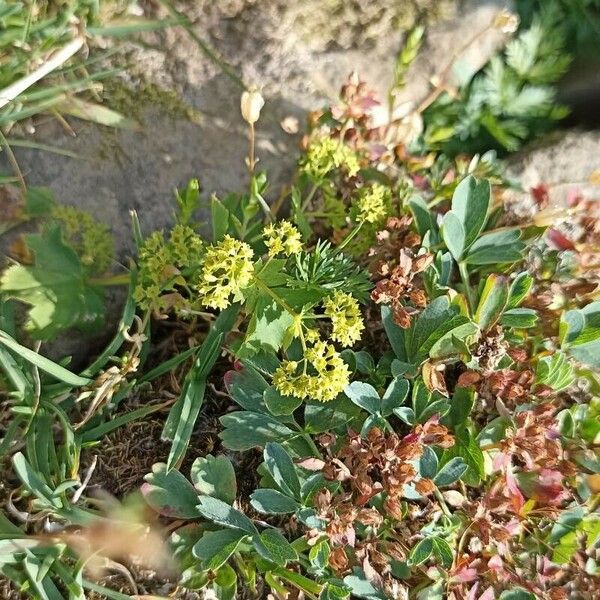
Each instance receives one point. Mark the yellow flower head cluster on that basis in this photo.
(282, 237)
(331, 374)
(372, 202)
(154, 260)
(227, 270)
(185, 245)
(161, 262)
(326, 154)
(344, 312)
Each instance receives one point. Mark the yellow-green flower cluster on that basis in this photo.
(90, 239)
(154, 260)
(346, 320)
(227, 269)
(282, 237)
(371, 204)
(185, 245)
(326, 154)
(160, 263)
(328, 377)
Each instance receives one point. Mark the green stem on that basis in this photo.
(464, 275)
(122, 279)
(265, 288)
(13, 162)
(306, 202)
(349, 238)
(442, 502)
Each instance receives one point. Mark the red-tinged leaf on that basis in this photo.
(540, 194)
(558, 240)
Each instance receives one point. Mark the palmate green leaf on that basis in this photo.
(56, 288)
(247, 387)
(466, 448)
(425, 404)
(364, 395)
(422, 551)
(268, 327)
(454, 235)
(279, 405)
(395, 334)
(272, 546)
(215, 547)
(432, 545)
(470, 204)
(423, 216)
(451, 472)
(219, 512)
(580, 334)
(361, 587)
(428, 463)
(282, 469)
(215, 476)
(225, 583)
(492, 302)
(394, 396)
(325, 416)
(273, 502)
(496, 247)
(519, 318)
(519, 289)
(555, 371)
(244, 430)
(170, 493)
(435, 331)
(460, 407)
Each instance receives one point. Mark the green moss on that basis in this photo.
(133, 100)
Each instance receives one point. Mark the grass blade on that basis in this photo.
(168, 365)
(182, 417)
(106, 428)
(43, 363)
(124, 325)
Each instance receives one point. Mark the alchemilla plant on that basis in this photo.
(402, 372)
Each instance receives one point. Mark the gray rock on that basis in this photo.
(563, 161)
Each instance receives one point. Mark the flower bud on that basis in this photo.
(251, 104)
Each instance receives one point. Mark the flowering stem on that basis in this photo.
(306, 202)
(122, 279)
(464, 275)
(349, 238)
(265, 288)
(251, 161)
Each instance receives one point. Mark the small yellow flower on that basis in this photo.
(344, 312)
(372, 202)
(326, 154)
(311, 336)
(323, 378)
(282, 238)
(227, 270)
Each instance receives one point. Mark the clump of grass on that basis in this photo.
(48, 61)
